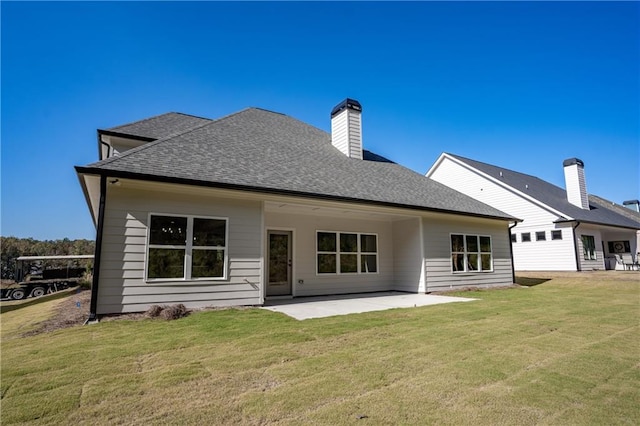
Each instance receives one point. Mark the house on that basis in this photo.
(561, 230)
(258, 204)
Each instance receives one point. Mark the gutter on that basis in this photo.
(93, 307)
(194, 182)
(575, 244)
(513, 267)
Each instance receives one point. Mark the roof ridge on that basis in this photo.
(139, 121)
(166, 138)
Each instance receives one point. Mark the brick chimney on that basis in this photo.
(346, 128)
(575, 183)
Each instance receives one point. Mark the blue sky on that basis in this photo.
(519, 85)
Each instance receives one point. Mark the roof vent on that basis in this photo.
(575, 183)
(346, 128)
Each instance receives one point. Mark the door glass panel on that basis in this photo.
(278, 258)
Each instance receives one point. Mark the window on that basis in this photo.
(556, 235)
(541, 236)
(589, 247)
(186, 247)
(525, 237)
(514, 238)
(471, 253)
(346, 253)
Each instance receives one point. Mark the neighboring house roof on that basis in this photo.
(159, 126)
(265, 151)
(600, 211)
(624, 211)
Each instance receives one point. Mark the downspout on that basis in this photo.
(93, 307)
(575, 244)
(513, 268)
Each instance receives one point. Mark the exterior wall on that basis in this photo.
(546, 255)
(437, 250)
(585, 264)
(304, 228)
(407, 256)
(346, 133)
(122, 286)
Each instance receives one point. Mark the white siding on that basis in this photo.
(346, 133)
(534, 255)
(304, 262)
(407, 256)
(576, 186)
(437, 249)
(122, 287)
(548, 255)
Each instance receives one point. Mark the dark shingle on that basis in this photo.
(255, 148)
(161, 126)
(555, 197)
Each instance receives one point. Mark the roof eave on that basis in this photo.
(590, 222)
(194, 182)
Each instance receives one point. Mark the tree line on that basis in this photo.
(12, 248)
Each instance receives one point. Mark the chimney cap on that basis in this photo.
(348, 103)
(572, 161)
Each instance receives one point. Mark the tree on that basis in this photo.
(12, 248)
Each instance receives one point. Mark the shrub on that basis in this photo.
(154, 311)
(170, 312)
(174, 312)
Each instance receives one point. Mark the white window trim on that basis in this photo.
(188, 251)
(465, 253)
(359, 253)
(593, 255)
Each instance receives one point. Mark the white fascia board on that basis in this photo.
(497, 182)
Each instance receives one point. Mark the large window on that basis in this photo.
(589, 247)
(471, 253)
(186, 247)
(346, 253)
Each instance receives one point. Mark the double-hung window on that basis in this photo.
(471, 253)
(589, 247)
(346, 253)
(186, 248)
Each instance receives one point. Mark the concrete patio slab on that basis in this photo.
(327, 306)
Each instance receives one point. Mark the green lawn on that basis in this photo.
(565, 351)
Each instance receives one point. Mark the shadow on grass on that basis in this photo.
(531, 282)
(9, 306)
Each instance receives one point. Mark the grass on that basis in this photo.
(565, 351)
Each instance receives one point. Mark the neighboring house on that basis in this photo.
(258, 204)
(560, 230)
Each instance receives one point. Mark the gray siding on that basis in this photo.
(304, 229)
(122, 287)
(407, 255)
(437, 251)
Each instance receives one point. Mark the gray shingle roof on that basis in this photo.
(555, 197)
(161, 126)
(263, 150)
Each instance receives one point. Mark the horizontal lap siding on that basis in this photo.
(547, 255)
(407, 255)
(589, 265)
(534, 255)
(122, 287)
(438, 253)
(304, 267)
